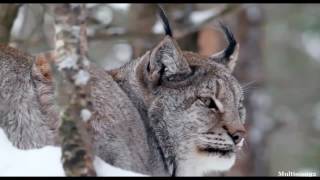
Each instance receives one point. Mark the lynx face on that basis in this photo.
(201, 118)
(196, 109)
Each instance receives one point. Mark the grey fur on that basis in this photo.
(147, 115)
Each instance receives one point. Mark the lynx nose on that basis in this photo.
(235, 130)
(237, 137)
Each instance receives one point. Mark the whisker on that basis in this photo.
(248, 87)
(245, 92)
(248, 84)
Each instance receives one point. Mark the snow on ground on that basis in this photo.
(44, 162)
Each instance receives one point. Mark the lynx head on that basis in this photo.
(194, 105)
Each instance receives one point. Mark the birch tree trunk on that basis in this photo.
(71, 80)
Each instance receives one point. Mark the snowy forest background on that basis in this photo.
(279, 61)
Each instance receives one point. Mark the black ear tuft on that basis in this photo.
(228, 56)
(231, 40)
(165, 21)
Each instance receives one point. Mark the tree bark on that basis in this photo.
(72, 88)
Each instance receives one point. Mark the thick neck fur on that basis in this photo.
(18, 97)
(135, 87)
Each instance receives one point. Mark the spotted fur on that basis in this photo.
(150, 116)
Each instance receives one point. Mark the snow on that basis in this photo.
(18, 22)
(158, 28)
(103, 14)
(104, 169)
(68, 62)
(311, 43)
(81, 78)
(37, 162)
(60, 42)
(120, 6)
(197, 17)
(85, 115)
(123, 52)
(44, 162)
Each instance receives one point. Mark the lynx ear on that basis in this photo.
(228, 56)
(167, 61)
(41, 68)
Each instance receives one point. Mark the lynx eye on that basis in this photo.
(210, 103)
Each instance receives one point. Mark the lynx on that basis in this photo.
(167, 113)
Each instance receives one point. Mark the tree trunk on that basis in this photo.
(72, 88)
(8, 13)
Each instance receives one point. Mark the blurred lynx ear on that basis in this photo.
(41, 68)
(228, 56)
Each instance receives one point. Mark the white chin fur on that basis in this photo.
(199, 164)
